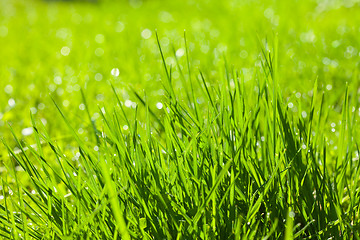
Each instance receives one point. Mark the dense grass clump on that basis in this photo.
(222, 134)
(224, 159)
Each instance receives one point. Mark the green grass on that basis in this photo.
(243, 127)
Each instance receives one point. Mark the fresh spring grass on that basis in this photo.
(136, 135)
(242, 166)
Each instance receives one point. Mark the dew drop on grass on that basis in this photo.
(180, 52)
(244, 54)
(176, 75)
(146, 33)
(205, 48)
(328, 87)
(82, 107)
(165, 17)
(170, 61)
(125, 127)
(95, 116)
(96, 148)
(269, 13)
(60, 91)
(80, 131)
(115, 72)
(119, 27)
(128, 103)
(100, 97)
(336, 43)
(11, 102)
(159, 105)
(27, 131)
(232, 84)
(57, 80)
(41, 106)
(303, 114)
(76, 87)
(350, 52)
(326, 61)
(69, 89)
(100, 38)
(308, 37)
(165, 41)
(52, 87)
(19, 169)
(33, 110)
(8, 89)
(99, 52)
(290, 105)
(98, 77)
(66, 103)
(43, 120)
(199, 101)
(63, 33)
(65, 51)
(1, 197)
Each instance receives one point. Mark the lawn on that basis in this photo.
(153, 119)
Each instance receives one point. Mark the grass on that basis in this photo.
(261, 147)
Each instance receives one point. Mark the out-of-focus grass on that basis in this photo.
(316, 39)
(247, 130)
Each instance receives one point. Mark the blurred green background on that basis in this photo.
(58, 47)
